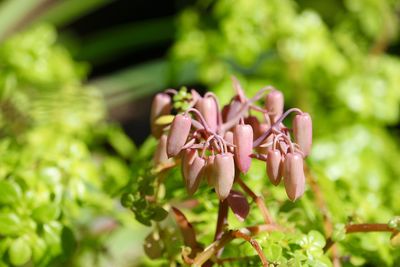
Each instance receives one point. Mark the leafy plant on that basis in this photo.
(216, 145)
(61, 163)
(333, 61)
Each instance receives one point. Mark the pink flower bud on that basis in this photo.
(192, 170)
(243, 140)
(195, 95)
(161, 106)
(284, 146)
(230, 111)
(160, 156)
(208, 108)
(294, 178)
(178, 134)
(224, 170)
(194, 176)
(274, 166)
(274, 104)
(208, 170)
(302, 131)
(228, 137)
(255, 125)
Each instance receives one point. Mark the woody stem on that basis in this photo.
(362, 228)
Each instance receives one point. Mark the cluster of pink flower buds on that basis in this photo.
(216, 144)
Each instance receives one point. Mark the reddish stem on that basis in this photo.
(362, 228)
(368, 227)
(222, 219)
(257, 199)
(255, 245)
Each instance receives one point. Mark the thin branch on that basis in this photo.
(227, 237)
(212, 249)
(254, 243)
(222, 219)
(362, 228)
(257, 199)
(368, 227)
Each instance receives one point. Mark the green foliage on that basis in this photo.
(57, 176)
(330, 60)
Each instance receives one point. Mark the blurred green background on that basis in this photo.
(76, 82)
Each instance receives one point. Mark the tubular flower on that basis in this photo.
(224, 170)
(294, 176)
(302, 131)
(274, 166)
(243, 140)
(213, 144)
(161, 106)
(178, 134)
(274, 104)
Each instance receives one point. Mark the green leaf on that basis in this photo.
(127, 200)
(39, 249)
(68, 242)
(142, 219)
(273, 252)
(164, 120)
(9, 192)
(394, 223)
(115, 41)
(19, 252)
(316, 238)
(66, 11)
(339, 232)
(12, 12)
(46, 212)
(159, 214)
(134, 82)
(395, 239)
(121, 143)
(9, 224)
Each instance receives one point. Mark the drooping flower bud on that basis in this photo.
(160, 156)
(188, 156)
(284, 146)
(208, 108)
(274, 166)
(255, 125)
(294, 178)
(228, 137)
(243, 140)
(208, 170)
(194, 175)
(224, 170)
(161, 106)
(274, 104)
(192, 168)
(230, 111)
(302, 131)
(195, 95)
(178, 134)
